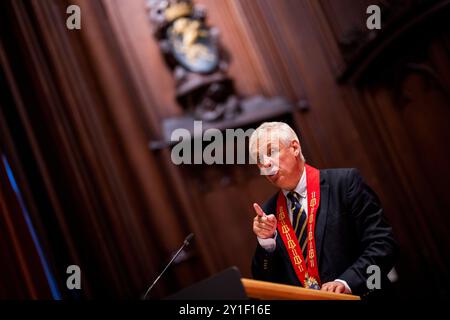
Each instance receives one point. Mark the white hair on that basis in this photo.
(277, 131)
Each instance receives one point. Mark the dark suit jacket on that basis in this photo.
(350, 235)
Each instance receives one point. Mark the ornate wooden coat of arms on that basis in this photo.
(199, 65)
(191, 49)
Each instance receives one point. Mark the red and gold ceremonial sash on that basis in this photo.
(307, 273)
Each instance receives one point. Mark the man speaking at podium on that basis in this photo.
(324, 228)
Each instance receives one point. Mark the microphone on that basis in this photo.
(186, 242)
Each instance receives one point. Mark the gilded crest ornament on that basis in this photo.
(312, 283)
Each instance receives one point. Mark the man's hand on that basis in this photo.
(335, 286)
(264, 226)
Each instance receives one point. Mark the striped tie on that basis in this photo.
(298, 220)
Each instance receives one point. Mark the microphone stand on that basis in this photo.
(185, 244)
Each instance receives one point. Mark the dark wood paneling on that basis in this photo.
(88, 103)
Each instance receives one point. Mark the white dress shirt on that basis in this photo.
(270, 244)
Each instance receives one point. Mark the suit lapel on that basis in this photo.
(321, 218)
(287, 261)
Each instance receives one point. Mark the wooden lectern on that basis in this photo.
(228, 285)
(274, 291)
